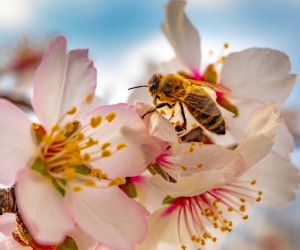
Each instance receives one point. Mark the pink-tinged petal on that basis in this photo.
(284, 142)
(157, 124)
(192, 185)
(260, 134)
(83, 240)
(16, 142)
(39, 202)
(8, 243)
(61, 82)
(182, 35)
(126, 128)
(8, 224)
(259, 75)
(109, 216)
(277, 178)
(202, 158)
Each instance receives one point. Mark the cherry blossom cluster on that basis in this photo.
(123, 176)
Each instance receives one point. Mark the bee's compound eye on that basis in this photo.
(155, 83)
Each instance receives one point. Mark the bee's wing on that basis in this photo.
(214, 86)
(201, 102)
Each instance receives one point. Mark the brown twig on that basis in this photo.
(8, 200)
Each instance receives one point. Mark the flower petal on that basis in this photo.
(260, 134)
(182, 35)
(8, 243)
(8, 224)
(125, 129)
(83, 240)
(59, 80)
(193, 185)
(109, 216)
(39, 202)
(16, 142)
(277, 178)
(258, 74)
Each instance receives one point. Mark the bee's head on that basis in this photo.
(153, 83)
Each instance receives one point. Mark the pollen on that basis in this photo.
(77, 189)
(106, 145)
(89, 97)
(106, 153)
(184, 168)
(97, 173)
(69, 173)
(226, 45)
(253, 182)
(200, 165)
(111, 116)
(72, 111)
(90, 183)
(120, 146)
(95, 121)
(117, 181)
(55, 128)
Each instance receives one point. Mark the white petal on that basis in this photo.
(157, 124)
(259, 75)
(182, 35)
(208, 156)
(126, 128)
(8, 243)
(8, 224)
(193, 185)
(109, 216)
(61, 82)
(16, 142)
(260, 134)
(83, 240)
(39, 202)
(277, 178)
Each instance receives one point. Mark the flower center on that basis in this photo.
(211, 211)
(68, 150)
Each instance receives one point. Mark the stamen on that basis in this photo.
(111, 116)
(72, 111)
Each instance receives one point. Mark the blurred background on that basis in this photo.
(125, 39)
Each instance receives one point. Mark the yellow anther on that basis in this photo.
(179, 140)
(59, 138)
(184, 168)
(69, 173)
(200, 165)
(77, 189)
(226, 45)
(253, 182)
(91, 142)
(87, 157)
(69, 126)
(72, 147)
(245, 217)
(194, 125)
(230, 209)
(72, 111)
(110, 117)
(260, 192)
(105, 145)
(95, 121)
(258, 199)
(243, 208)
(80, 136)
(36, 126)
(96, 172)
(214, 239)
(183, 247)
(121, 145)
(89, 97)
(90, 183)
(106, 153)
(162, 112)
(55, 128)
(243, 200)
(200, 144)
(117, 182)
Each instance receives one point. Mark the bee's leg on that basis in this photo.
(149, 112)
(183, 116)
(158, 106)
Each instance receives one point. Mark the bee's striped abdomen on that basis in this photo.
(204, 109)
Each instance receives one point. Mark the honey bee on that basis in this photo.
(173, 88)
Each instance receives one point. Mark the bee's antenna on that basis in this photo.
(138, 87)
